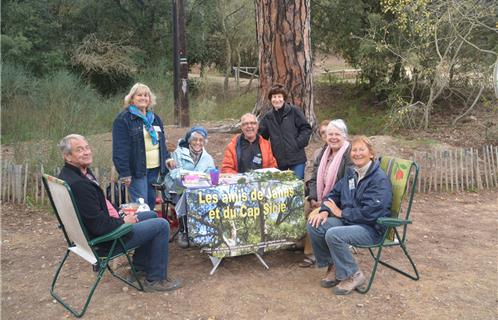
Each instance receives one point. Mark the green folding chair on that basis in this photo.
(403, 175)
(78, 242)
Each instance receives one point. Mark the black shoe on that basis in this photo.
(168, 284)
(182, 240)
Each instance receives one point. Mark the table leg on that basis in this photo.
(261, 260)
(216, 262)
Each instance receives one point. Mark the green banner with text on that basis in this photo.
(237, 219)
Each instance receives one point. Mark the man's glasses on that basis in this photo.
(252, 123)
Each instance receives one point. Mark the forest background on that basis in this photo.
(66, 65)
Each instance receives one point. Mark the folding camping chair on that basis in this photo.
(403, 175)
(167, 200)
(76, 235)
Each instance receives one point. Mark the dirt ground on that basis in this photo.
(453, 240)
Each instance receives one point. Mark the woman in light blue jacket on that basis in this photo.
(189, 155)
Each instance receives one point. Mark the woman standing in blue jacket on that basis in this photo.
(139, 148)
(348, 215)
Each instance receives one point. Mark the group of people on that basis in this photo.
(347, 191)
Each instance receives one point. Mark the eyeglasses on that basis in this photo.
(252, 123)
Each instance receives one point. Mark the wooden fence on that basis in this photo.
(23, 184)
(458, 169)
(440, 171)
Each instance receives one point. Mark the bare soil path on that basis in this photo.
(453, 241)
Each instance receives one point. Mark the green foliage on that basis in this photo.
(209, 108)
(51, 106)
(412, 53)
(354, 104)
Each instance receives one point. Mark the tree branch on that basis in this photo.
(471, 107)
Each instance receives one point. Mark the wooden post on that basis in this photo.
(446, 165)
(25, 183)
(437, 183)
(36, 186)
(451, 169)
(472, 175)
(457, 171)
(466, 166)
(478, 171)
(431, 172)
(485, 168)
(42, 189)
(113, 174)
(3, 185)
(462, 170)
(492, 166)
(495, 165)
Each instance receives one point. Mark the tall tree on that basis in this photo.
(283, 32)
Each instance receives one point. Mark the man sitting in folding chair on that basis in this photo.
(149, 234)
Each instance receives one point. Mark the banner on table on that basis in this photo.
(237, 219)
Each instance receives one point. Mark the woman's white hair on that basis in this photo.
(197, 135)
(340, 125)
(65, 144)
(142, 87)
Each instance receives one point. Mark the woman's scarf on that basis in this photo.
(326, 180)
(195, 155)
(148, 120)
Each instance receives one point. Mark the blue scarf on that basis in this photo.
(148, 120)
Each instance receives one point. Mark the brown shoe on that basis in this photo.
(329, 280)
(140, 274)
(347, 286)
(168, 284)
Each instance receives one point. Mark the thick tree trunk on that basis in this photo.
(283, 31)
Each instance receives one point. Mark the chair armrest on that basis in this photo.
(393, 222)
(115, 234)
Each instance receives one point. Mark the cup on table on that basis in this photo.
(129, 208)
(215, 176)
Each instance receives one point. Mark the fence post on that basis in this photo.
(4, 180)
(495, 163)
(492, 169)
(478, 171)
(485, 167)
(42, 189)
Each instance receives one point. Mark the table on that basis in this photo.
(248, 217)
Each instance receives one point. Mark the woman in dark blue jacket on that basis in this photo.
(348, 215)
(139, 148)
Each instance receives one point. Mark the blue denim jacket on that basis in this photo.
(128, 146)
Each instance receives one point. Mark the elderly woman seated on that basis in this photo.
(192, 156)
(348, 215)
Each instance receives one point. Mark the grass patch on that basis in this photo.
(351, 103)
(210, 107)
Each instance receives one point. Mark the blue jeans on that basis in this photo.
(142, 188)
(151, 235)
(331, 240)
(297, 168)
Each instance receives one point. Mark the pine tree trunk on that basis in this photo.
(283, 31)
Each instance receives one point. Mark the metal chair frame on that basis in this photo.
(79, 243)
(392, 237)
